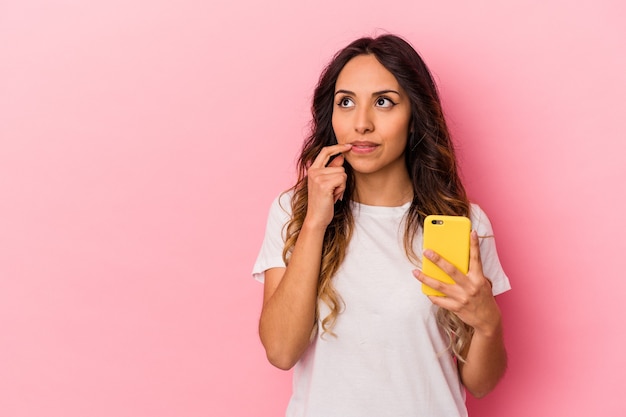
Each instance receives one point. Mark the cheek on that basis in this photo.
(401, 127)
(338, 127)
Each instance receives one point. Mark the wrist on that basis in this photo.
(490, 330)
(311, 225)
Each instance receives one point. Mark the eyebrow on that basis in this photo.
(376, 93)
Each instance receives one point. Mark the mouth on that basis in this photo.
(363, 147)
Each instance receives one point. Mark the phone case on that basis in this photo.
(449, 236)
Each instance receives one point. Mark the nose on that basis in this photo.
(363, 122)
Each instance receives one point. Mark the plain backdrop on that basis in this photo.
(141, 143)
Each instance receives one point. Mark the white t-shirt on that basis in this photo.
(389, 357)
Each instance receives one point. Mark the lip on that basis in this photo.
(363, 147)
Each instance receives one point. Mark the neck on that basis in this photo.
(379, 190)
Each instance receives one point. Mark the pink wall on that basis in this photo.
(141, 143)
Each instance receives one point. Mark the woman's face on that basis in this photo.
(371, 111)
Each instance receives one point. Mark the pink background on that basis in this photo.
(141, 143)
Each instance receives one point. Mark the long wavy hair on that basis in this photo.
(430, 161)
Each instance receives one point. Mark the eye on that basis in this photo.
(345, 102)
(384, 102)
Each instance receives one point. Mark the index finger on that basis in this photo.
(446, 266)
(476, 264)
(327, 152)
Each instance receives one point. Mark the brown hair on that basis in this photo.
(430, 162)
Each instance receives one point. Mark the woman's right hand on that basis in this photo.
(326, 184)
(290, 294)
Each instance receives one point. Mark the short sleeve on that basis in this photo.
(488, 253)
(271, 252)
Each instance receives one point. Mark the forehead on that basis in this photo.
(365, 73)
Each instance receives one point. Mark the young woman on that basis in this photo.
(341, 258)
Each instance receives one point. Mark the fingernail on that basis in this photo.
(428, 253)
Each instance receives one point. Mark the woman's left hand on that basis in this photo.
(471, 298)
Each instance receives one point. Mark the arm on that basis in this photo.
(290, 294)
(485, 361)
(471, 299)
(289, 301)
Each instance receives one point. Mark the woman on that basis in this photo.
(342, 253)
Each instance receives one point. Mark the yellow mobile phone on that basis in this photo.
(449, 236)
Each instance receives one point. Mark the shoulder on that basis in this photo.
(282, 203)
(480, 220)
(285, 198)
(280, 210)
